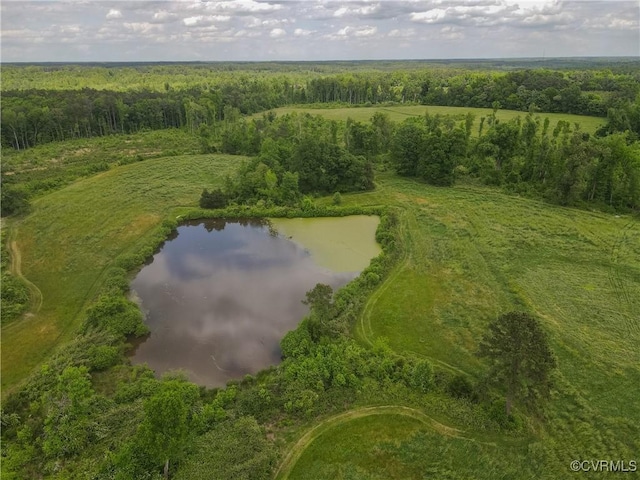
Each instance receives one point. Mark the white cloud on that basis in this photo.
(163, 16)
(191, 21)
(356, 12)
(205, 20)
(277, 33)
(430, 16)
(142, 27)
(451, 33)
(113, 14)
(365, 31)
(250, 29)
(403, 33)
(240, 7)
(348, 31)
(301, 32)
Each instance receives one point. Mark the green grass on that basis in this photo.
(473, 253)
(389, 446)
(75, 233)
(355, 447)
(54, 165)
(399, 113)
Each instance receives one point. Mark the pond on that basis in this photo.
(220, 295)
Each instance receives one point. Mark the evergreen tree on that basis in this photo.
(520, 358)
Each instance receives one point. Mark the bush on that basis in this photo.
(213, 199)
(116, 281)
(102, 357)
(14, 201)
(245, 453)
(117, 315)
(422, 376)
(14, 298)
(461, 387)
(296, 343)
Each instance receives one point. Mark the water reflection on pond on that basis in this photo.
(219, 297)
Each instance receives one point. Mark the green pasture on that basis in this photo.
(74, 234)
(399, 113)
(387, 444)
(472, 253)
(469, 254)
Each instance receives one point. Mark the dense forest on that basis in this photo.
(188, 96)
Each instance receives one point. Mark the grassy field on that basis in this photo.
(53, 165)
(386, 444)
(471, 253)
(75, 233)
(399, 113)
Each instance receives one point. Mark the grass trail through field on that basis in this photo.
(406, 231)
(299, 447)
(15, 267)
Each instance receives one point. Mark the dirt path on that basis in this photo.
(15, 267)
(298, 449)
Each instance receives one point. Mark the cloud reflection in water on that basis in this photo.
(219, 300)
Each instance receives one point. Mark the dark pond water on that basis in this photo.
(220, 296)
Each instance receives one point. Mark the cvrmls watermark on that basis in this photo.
(616, 466)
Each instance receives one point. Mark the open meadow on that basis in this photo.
(471, 253)
(243, 240)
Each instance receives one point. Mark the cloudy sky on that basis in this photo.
(183, 30)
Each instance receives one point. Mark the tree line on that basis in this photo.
(35, 116)
(525, 155)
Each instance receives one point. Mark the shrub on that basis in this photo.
(117, 315)
(422, 376)
(102, 357)
(116, 281)
(461, 387)
(14, 297)
(14, 201)
(214, 199)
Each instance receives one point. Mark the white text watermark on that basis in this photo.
(615, 466)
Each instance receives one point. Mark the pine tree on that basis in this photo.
(520, 358)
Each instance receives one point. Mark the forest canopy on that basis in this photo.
(54, 103)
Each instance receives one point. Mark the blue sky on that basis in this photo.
(184, 30)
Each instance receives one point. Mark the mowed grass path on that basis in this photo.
(399, 113)
(387, 442)
(473, 253)
(74, 234)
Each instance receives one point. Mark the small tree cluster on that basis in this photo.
(214, 199)
(429, 149)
